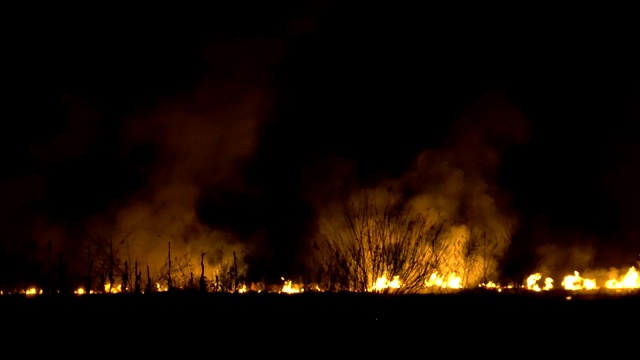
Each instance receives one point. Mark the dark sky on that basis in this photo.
(236, 123)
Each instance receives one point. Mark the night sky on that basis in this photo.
(233, 126)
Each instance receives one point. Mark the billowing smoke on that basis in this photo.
(131, 187)
(460, 181)
(200, 143)
(457, 184)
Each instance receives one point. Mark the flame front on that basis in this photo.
(577, 282)
(629, 281)
(383, 283)
(452, 281)
(532, 282)
(288, 288)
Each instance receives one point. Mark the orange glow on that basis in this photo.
(576, 282)
(32, 291)
(288, 288)
(108, 288)
(491, 285)
(383, 283)
(534, 282)
(533, 279)
(452, 281)
(629, 281)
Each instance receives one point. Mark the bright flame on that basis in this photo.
(452, 281)
(32, 291)
(384, 283)
(288, 288)
(576, 282)
(108, 288)
(491, 285)
(161, 287)
(532, 281)
(629, 281)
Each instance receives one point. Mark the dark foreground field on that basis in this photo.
(321, 322)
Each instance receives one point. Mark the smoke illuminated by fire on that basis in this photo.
(440, 225)
(573, 282)
(172, 153)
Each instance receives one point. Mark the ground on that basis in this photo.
(325, 322)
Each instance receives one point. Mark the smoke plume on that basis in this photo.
(459, 182)
(136, 182)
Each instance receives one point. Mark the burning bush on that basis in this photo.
(375, 243)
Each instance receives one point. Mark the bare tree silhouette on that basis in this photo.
(381, 238)
(105, 263)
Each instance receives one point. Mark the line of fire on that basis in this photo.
(374, 247)
(121, 279)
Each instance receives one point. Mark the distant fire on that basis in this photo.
(534, 282)
(576, 282)
(290, 289)
(33, 291)
(533, 279)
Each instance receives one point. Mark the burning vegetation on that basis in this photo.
(575, 282)
(376, 245)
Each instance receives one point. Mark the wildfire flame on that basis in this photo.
(112, 289)
(576, 282)
(33, 291)
(288, 288)
(532, 282)
(383, 283)
(573, 282)
(629, 281)
(452, 281)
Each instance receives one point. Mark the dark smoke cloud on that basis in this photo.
(457, 181)
(238, 131)
(139, 129)
(138, 180)
(460, 180)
